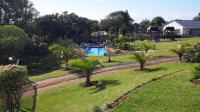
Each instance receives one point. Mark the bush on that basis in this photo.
(96, 109)
(193, 54)
(145, 46)
(196, 71)
(37, 58)
(12, 80)
(12, 42)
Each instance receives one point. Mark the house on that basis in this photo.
(184, 27)
(98, 37)
(153, 30)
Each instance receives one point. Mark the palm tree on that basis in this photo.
(87, 67)
(62, 52)
(141, 58)
(180, 50)
(147, 46)
(109, 54)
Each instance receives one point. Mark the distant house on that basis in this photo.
(184, 27)
(153, 30)
(98, 37)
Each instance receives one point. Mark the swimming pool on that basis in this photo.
(95, 51)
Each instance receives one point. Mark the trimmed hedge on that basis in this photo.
(12, 80)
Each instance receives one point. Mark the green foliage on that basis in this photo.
(193, 54)
(115, 21)
(54, 26)
(197, 18)
(141, 58)
(146, 46)
(12, 42)
(18, 12)
(122, 43)
(87, 67)
(61, 52)
(196, 71)
(96, 109)
(12, 80)
(158, 21)
(180, 49)
(145, 24)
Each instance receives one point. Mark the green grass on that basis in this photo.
(73, 98)
(172, 94)
(48, 74)
(162, 49)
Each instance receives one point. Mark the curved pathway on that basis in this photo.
(69, 78)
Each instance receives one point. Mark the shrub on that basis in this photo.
(146, 46)
(196, 71)
(12, 42)
(87, 67)
(141, 58)
(181, 49)
(12, 80)
(193, 54)
(96, 109)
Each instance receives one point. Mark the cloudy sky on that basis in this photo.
(138, 9)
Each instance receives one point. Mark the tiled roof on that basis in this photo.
(189, 23)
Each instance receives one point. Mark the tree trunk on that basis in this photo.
(66, 63)
(109, 59)
(141, 66)
(88, 82)
(180, 57)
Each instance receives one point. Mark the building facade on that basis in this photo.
(185, 27)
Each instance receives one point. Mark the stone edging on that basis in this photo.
(120, 99)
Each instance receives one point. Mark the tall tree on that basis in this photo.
(145, 24)
(64, 25)
(116, 21)
(158, 21)
(17, 12)
(197, 18)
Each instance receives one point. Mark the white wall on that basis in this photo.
(176, 26)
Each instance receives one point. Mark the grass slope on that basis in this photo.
(73, 98)
(172, 94)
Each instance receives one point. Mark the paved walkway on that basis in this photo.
(69, 78)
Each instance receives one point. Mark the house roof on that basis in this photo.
(189, 23)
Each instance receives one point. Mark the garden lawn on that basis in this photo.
(73, 98)
(164, 46)
(162, 49)
(172, 94)
(49, 74)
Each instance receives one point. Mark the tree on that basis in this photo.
(147, 46)
(109, 46)
(62, 52)
(18, 12)
(197, 18)
(158, 21)
(87, 67)
(12, 42)
(141, 58)
(180, 49)
(117, 20)
(65, 25)
(145, 24)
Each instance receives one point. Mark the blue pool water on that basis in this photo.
(95, 51)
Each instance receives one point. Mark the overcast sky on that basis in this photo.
(138, 9)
